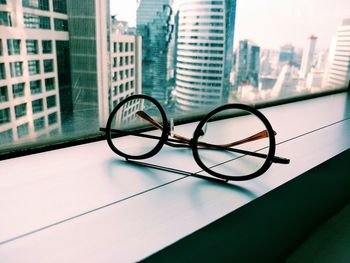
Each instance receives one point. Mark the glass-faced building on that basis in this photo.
(204, 53)
(154, 24)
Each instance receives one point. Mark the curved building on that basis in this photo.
(204, 53)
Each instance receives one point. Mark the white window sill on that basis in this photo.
(85, 204)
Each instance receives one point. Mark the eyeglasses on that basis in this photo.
(239, 148)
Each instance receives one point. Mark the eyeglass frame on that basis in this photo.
(166, 132)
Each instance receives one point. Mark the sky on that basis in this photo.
(273, 23)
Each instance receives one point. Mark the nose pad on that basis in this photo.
(203, 130)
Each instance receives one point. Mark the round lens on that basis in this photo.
(240, 147)
(137, 127)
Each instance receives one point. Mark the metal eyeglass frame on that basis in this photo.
(171, 139)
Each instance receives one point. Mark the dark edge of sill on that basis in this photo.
(41, 147)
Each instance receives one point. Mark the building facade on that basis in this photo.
(32, 38)
(308, 57)
(125, 67)
(247, 64)
(204, 53)
(89, 39)
(154, 24)
(338, 74)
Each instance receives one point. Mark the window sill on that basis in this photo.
(85, 204)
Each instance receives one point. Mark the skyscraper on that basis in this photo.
(247, 63)
(308, 56)
(339, 69)
(155, 27)
(32, 68)
(204, 53)
(286, 54)
(89, 37)
(125, 66)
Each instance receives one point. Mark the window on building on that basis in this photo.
(18, 90)
(115, 64)
(23, 130)
(131, 46)
(33, 67)
(36, 21)
(126, 60)
(52, 118)
(132, 72)
(51, 101)
(14, 46)
(60, 6)
(32, 47)
(39, 124)
(126, 47)
(121, 61)
(121, 75)
(5, 116)
(16, 69)
(47, 46)
(114, 47)
(37, 105)
(3, 94)
(132, 60)
(35, 87)
(120, 47)
(48, 65)
(3, 2)
(2, 71)
(61, 24)
(6, 136)
(5, 18)
(50, 84)
(37, 4)
(21, 110)
(121, 88)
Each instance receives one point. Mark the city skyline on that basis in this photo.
(299, 20)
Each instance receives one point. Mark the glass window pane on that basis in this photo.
(47, 46)
(5, 18)
(5, 116)
(6, 136)
(48, 65)
(23, 130)
(18, 90)
(2, 71)
(16, 69)
(51, 101)
(50, 84)
(52, 118)
(3, 94)
(35, 86)
(32, 47)
(33, 67)
(61, 24)
(37, 105)
(21, 110)
(39, 124)
(14, 46)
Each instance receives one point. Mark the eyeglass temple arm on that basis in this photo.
(260, 135)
